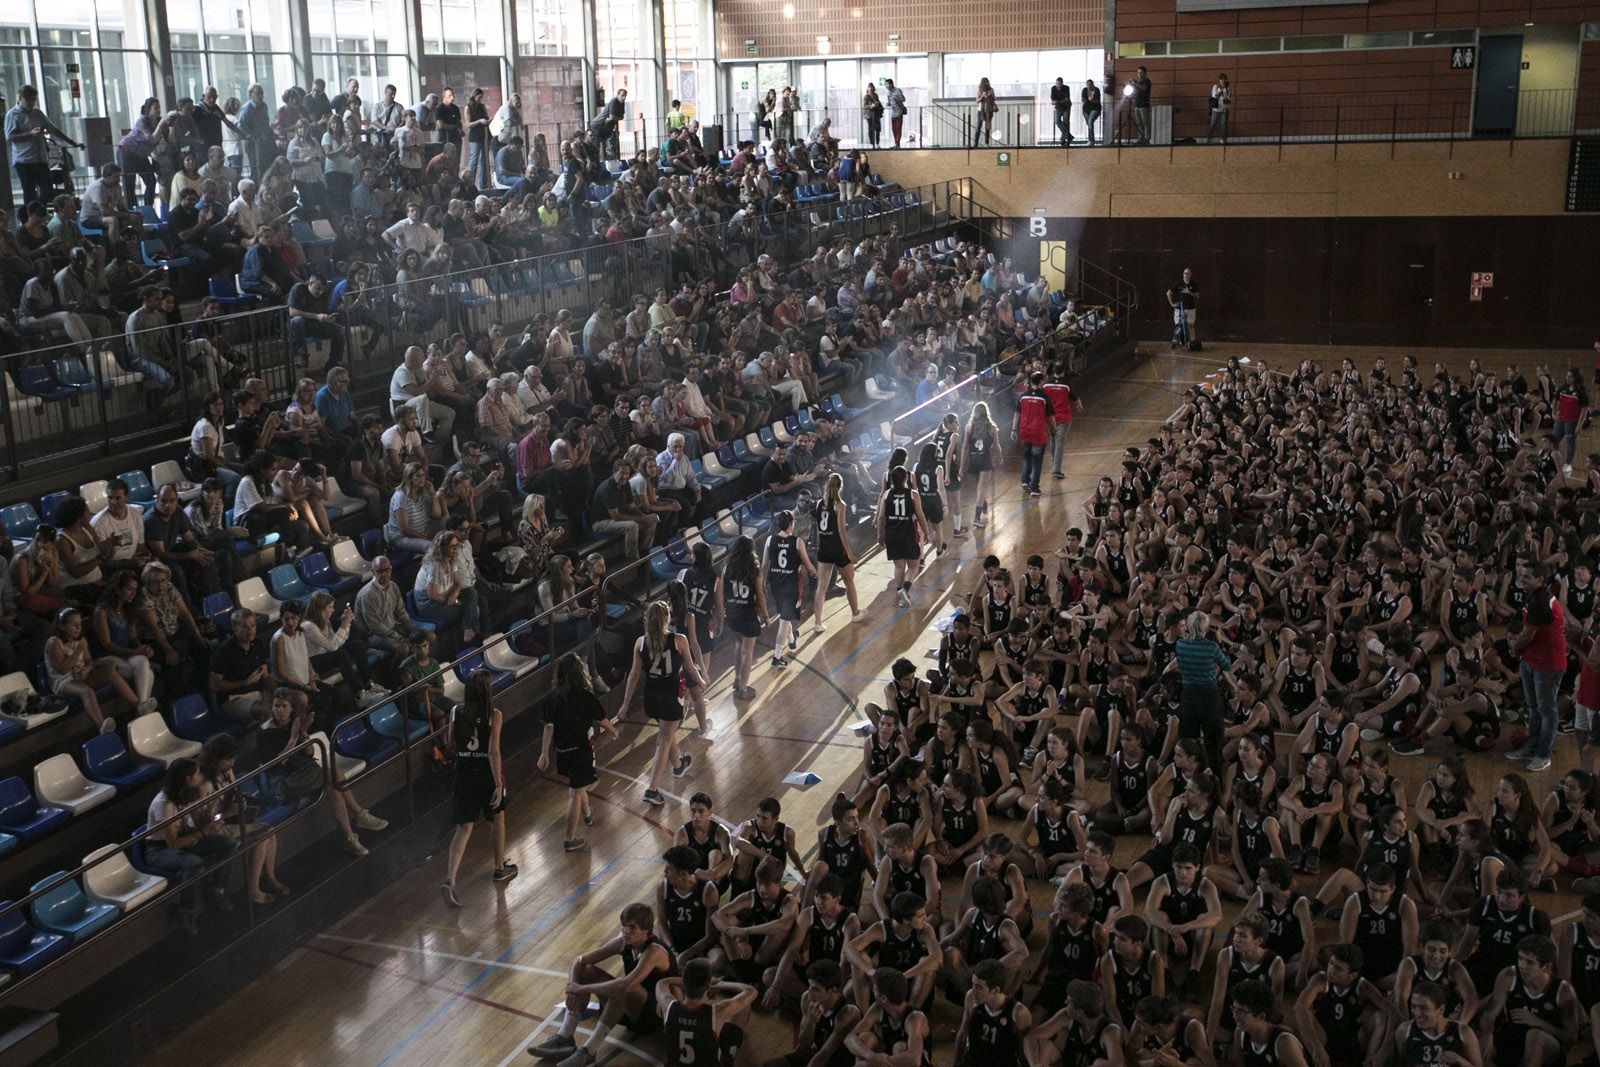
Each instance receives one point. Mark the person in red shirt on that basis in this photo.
(1031, 429)
(1062, 402)
(1542, 646)
(1571, 401)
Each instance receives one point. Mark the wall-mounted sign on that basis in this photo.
(750, 48)
(1002, 159)
(1464, 57)
(1485, 278)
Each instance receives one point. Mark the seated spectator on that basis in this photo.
(310, 316)
(313, 437)
(531, 391)
(80, 551)
(509, 163)
(285, 730)
(533, 451)
(256, 508)
(402, 443)
(195, 569)
(414, 513)
(179, 648)
(366, 473)
(486, 479)
(336, 649)
(35, 576)
(181, 847)
(616, 512)
(304, 487)
(488, 592)
(117, 635)
(152, 347)
(265, 272)
(408, 389)
(290, 657)
(22, 632)
(120, 530)
(239, 675)
(381, 621)
(218, 784)
(209, 517)
(41, 307)
(536, 536)
(499, 418)
(429, 703)
(72, 673)
(440, 596)
(104, 208)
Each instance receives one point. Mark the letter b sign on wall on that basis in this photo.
(1036, 226)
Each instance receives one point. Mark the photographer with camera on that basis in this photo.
(27, 136)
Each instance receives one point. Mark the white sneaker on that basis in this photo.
(368, 821)
(147, 705)
(1371, 734)
(903, 597)
(1537, 764)
(1566, 468)
(108, 725)
(818, 628)
(353, 845)
(859, 616)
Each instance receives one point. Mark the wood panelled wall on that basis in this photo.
(1159, 20)
(862, 27)
(1356, 281)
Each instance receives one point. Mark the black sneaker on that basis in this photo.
(1567, 726)
(1406, 746)
(1313, 861)
(505, 872)
(1333, 913)
(654, 798)
(683, 766)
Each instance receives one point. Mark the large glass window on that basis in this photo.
(461, 28)
(77, 60)
(229, 44)
(361, 39)
(549, 27)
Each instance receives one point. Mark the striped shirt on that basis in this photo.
(1199, 661)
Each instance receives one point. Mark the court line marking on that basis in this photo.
(424, 982)
(433, 953)
(538, 928)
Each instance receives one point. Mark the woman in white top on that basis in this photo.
(440, 595)
(305, 161)
(180, 848)
(312, 438)
(338, 164)
(72, 673)
(256, 508)
(334, 649)
(205, 459)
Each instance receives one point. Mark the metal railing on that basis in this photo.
(244, 842)
(1275, 119)
(59, 403)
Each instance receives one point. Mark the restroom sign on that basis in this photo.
(1464, 57)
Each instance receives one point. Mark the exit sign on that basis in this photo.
(1002, 159)
(750, 48)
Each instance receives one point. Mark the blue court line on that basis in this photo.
(538, 928)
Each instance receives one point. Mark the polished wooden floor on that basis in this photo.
(406, 980)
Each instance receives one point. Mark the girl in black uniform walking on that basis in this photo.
(899, 517)
(572, 712)
(783, 559)
(480, 785)
(705, 602)
(980, 452)
(947, 449)
(742, 603)
(833, 550)
(929, 480)
(661, 659)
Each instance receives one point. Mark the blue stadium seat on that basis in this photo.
(25, 817)
(319, 573)
(387, 721)
(416, 618)
(106, 759)
(66, 910)
(358, 740)
(49, 504)
(287, 584)
(23, 949)
(193, 719)
(20, 520)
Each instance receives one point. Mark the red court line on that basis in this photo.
(340, 955)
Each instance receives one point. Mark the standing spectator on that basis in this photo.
(210, 119)
(305, 163)
(27, 130)
(233, 139)
(787, 107)
(1541, 643)
(872, 112)
(343, 101)
(508, 120)
(1061, 102)
(1571, 402)
(255, 128)
(135, 149)
(478, 139)
(1031, 429)
(1141, 103)
(447, 118)
(897, 109)
(1197, 661)
(1184, 298)
(340, 154)
(617, 113)
(388, 115)
(1221, 102)
(1089, 101)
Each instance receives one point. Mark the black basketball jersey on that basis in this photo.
(1069, 953)
(1339, 1014)
(661, 672)
(1378, 935)
(992, 1036)
(783, 559)
(825, 942)
(1298, 691)
(906, 809)
(897, 509)
(1131, 984)
(1105, 892)
(1585, 968)
(958, 825)
(1130, 782)
(983, 939)
(686, 915)
(1284, 936)
(999, 612)
(1055, 838)
(702, 848)
(691, 1035)
(1182, 905)
(702, 587)
(828, 532)
(927, 479)
(472, 747)
(1264, 1054)
(900, 953)
(846, 859)
(1424, 1049)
